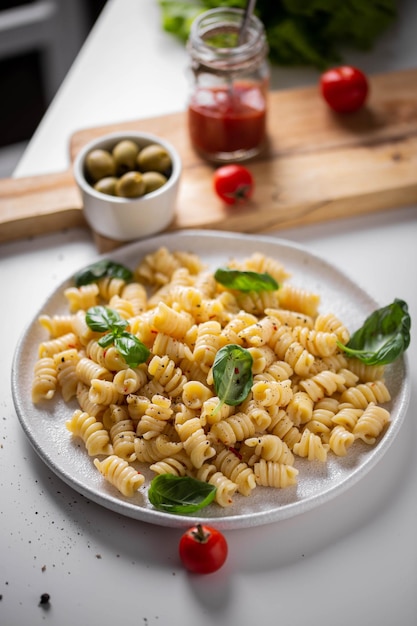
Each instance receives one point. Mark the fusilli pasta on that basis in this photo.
(306, 399)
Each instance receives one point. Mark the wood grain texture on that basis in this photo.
(317, 166)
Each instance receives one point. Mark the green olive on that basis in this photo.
(99, 163)
(154, 158)
(153, 181)
(124, 154)
(106, 185)
(130, 185)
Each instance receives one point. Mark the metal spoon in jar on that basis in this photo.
(249, 9)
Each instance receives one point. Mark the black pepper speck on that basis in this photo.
(44, 601)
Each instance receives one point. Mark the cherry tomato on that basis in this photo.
(203, 549)
(233, 183)
(344, 88)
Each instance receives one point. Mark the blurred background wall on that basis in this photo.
(39, 39)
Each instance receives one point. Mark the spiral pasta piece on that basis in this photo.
(225, 488)
(311, 447)
(271, 448)
(284, 428)
(284, 346)
(104, 392)
(82, 330)
(122, 436)
(209, 341)
(365, 393)
(195, 441)
(259, 333)
(91, 431)
(57, 325)
(324, 383)
(259, 415)
(176, 350)
(371, 423)
(83, 399)
(256, 302)
(262, 359)
(232, 330)
(58, 344)
(115, 413)
(291, 318)
(300, 408)
(366, 373)
(170, 322)
(137, 405)
(88, 370)
(321, 423)
(277, 475)
(157, 267)
(194, 394)
(82, 298)
(234, 428)
(272, 393)
(137, 296)
(109, 358)
(130, 380)
(66, 370)
(157, 413)
(277, 370)
(120, 474)
(156, 449)
(317, 342)
(298, 299)
(170, 377)
(229, 464)
(261, 263)
(330, 323)
(347, 416)
(122, 306)
(110, 286)
(45, 380)
(178, 465)
(213, 411)
(340, 440)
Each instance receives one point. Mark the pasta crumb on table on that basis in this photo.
(308, 400)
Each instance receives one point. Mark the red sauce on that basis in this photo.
(224, 121)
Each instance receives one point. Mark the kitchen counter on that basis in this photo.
(352, 560)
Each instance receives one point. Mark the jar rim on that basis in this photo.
(228, 19)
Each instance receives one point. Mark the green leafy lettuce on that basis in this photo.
(299, 32)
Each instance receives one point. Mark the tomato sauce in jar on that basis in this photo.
(223, 121)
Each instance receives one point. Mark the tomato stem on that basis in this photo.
(200, 535)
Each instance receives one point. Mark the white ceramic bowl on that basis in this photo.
(127, 219)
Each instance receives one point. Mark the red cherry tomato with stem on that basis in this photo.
(203, 549)
(233, 183)
(344, 88)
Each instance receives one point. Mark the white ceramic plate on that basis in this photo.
(318, 483)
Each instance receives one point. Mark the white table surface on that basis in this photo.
(351, 561)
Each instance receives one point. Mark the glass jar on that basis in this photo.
(228, 102)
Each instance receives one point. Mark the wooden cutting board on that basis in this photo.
(318, 166)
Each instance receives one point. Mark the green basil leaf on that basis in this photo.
(99, 269)
(180, 494)
(131, 348)
(119, 325)
(384, 336)
(106, 340)
(102, 318)
(244, 280)
(232, 374)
